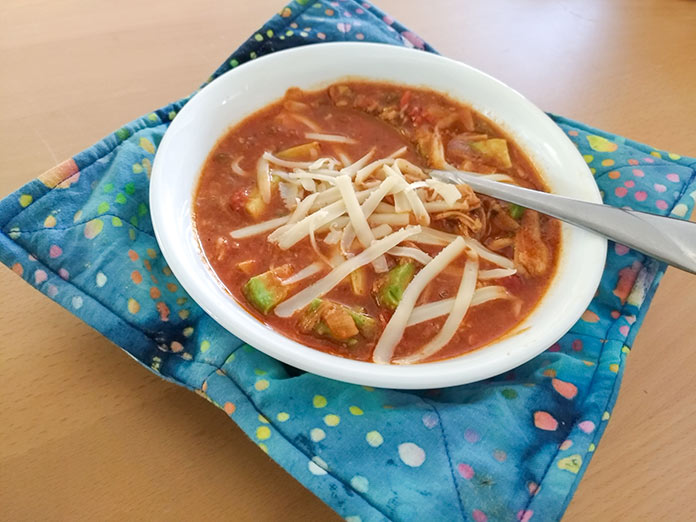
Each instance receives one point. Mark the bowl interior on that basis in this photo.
(250, 87)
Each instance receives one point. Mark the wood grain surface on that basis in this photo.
(88, 434)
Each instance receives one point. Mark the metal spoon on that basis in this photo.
(666, 239)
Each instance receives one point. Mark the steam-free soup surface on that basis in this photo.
(263, 168)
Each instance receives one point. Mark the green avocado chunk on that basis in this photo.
(389, 288)
(264, 291)
(494, 150)
(516, 211)
(337, 322)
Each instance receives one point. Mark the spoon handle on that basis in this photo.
(666, 239)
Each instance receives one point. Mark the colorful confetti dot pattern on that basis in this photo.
(510, 448)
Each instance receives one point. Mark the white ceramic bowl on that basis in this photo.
(242, 91)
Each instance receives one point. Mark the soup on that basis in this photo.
(319, 216)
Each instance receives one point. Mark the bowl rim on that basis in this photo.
(448, 372)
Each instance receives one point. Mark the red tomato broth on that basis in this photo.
(220, 195)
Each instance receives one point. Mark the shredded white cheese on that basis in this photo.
(331, 138)
(298, 231)
(398, 152)
(389, 219)
(340, 272)
(337, 224)
(460, 307)
(374, 200)
(448, 192)
(347, 240)
(385, 208)
(430, 236)
(345, 160)
(333, 237)
(289, 193)
(397, 324)
(326, 197)
(429, 311)
(496, 273)
(409, 200)
(308, 184)
(236, 168)
(259, 228)
(305, 121)
(382, 231)
(303, 174)
(401, 203)
(413, 253)
(285, 163)
(263, 180)
(357, 219)
(313, 240)
(300, 213)
(352, 169)
(369, 169)
(330, 164)
(406, 167)
(306, 272)
(355, 213)
(303, 208)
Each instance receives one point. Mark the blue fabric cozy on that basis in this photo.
(510, 448)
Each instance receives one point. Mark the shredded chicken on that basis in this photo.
(471, 222)
(459, 222)
(339, 322)
(411, 172)
(469, 196)
(336, 318)
(503, 221)
(309, 319)
(500, 243)
(532, 256)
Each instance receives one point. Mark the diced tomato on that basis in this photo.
(513, 284)
(427, 116)
(237, 199)
(405, 98)
(415, 114)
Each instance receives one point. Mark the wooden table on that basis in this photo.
(86, 433)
